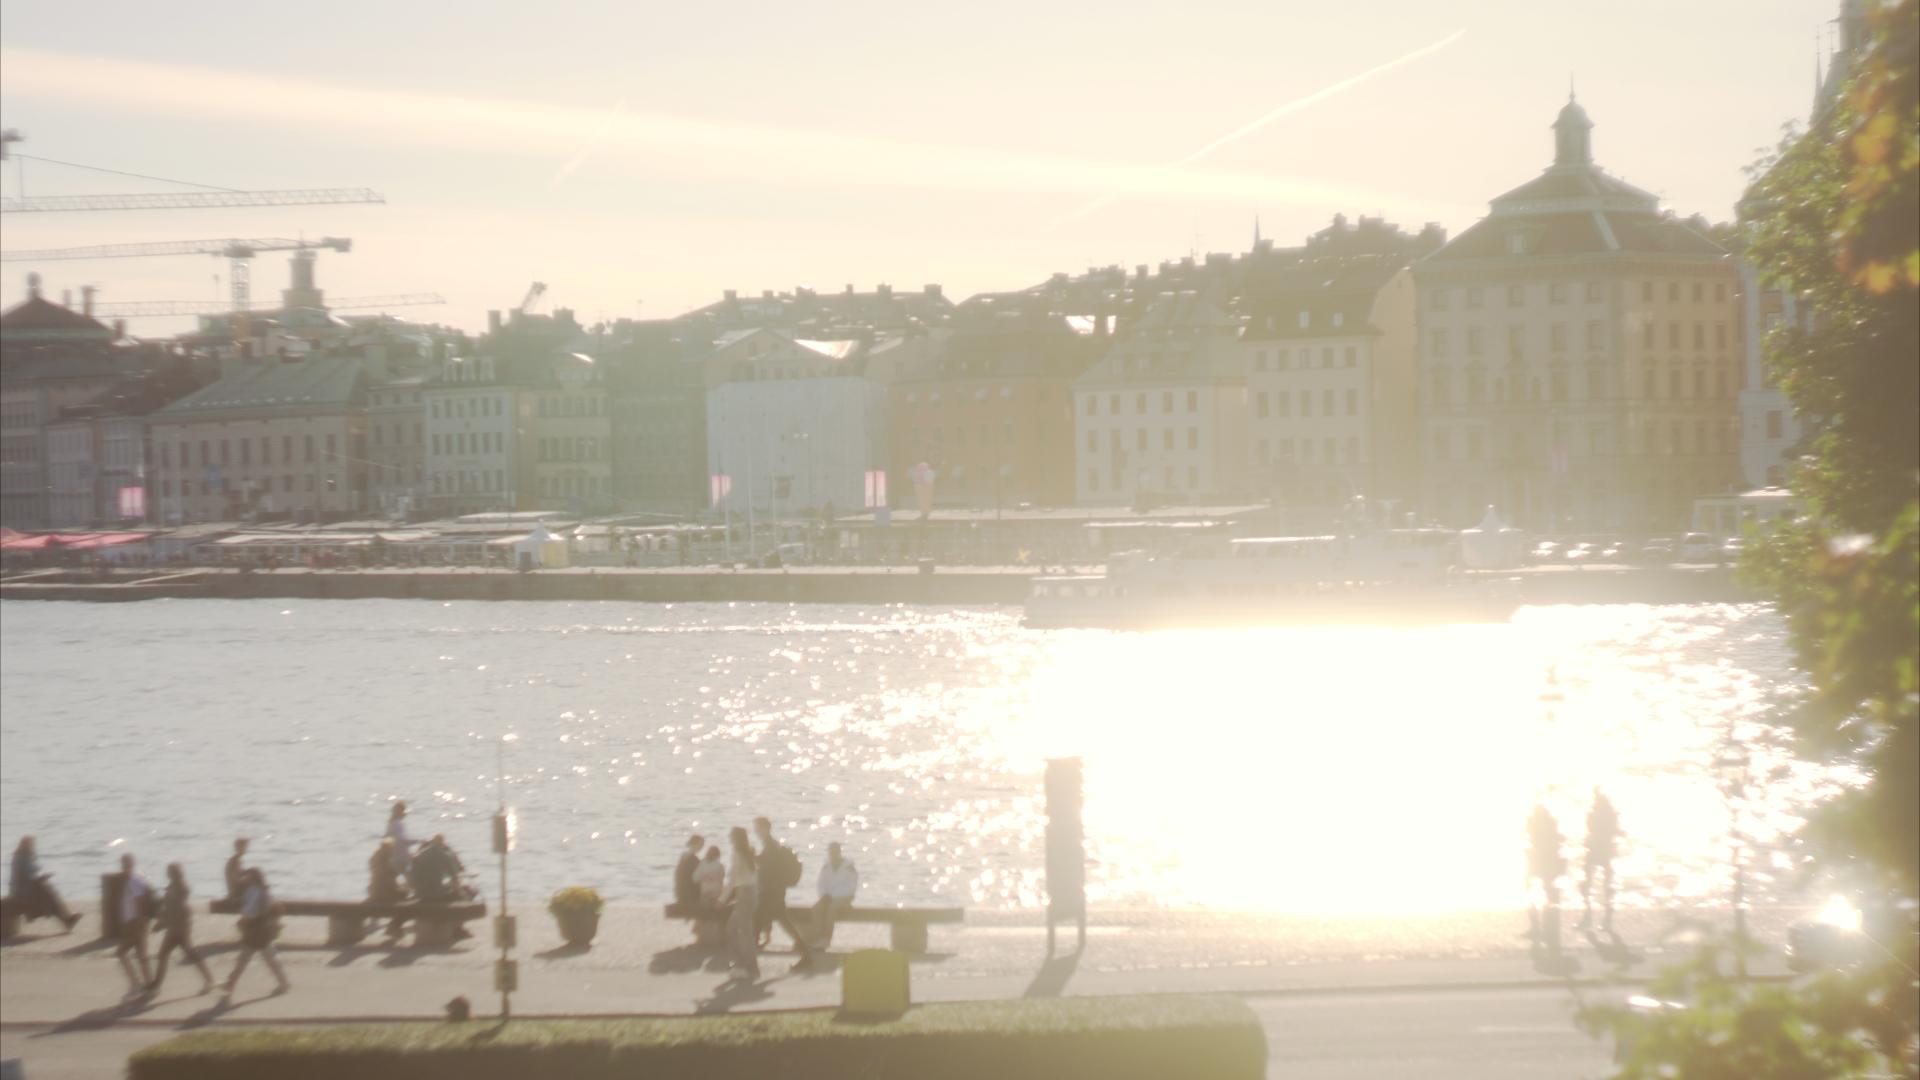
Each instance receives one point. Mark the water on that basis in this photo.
(1293, 770)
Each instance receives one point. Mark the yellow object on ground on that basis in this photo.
(874, 982)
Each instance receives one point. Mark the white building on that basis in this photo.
(1769, 428)
(1162, 417)
(474, 450)
(788, 446)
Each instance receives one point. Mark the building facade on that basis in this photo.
(568, 427)
(273, 438)
(656, 395)
(396, 446)
(1580, 359)
(1162, 415)
(474, 450)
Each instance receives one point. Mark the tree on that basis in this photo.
(1835, 215)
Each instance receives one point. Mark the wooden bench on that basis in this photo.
(436, 926)
(10, 915)
(908, 925)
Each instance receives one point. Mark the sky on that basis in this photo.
(642, 158)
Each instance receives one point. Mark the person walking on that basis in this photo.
(259, 925)
(136, 915)
(32, 888)
(1603, 836)
(686, 894)
(383, 882)
(397, 832)
(779, 871)
(1545, 865)
(743, 892)
(237, 868)
(176, 930)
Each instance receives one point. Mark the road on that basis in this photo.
(1430, 1035)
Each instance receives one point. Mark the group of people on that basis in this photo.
(1546, 865)
(138, 908)
(748, 892)
(397, 873)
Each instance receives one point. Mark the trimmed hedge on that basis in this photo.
(1207, 1037)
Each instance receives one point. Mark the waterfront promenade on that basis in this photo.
(61, 1008)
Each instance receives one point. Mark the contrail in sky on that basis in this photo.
(1293, 106)
(593, 143)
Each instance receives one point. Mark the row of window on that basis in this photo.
(1349, 357)
(1559, 292)
(469, 442)
(1440, 338)
(398, 434)
(577, 448)
(1517, 385)
(242, 449)
(1707, 439)
(573, 484)
(572, 405)
(1283, 451)
(937, 435)
(1167, 398)
(1168, 479)
(1282, 403)
(1142, 440)
(469, 481)
(229, 486)
(467, 407)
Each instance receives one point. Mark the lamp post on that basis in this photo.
(506, 972)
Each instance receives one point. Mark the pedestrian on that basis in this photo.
(743, 892)
(710, 877)
(383, 882)
(31, 888)
(397, 832)
(237, 868)
(686, 894)
(176, 930)
(839, 880)
(779, 871)
(259, 926)
(1603, 835)
(1545, 865)
(136, 914)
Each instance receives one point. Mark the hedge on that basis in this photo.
(1109, 1038)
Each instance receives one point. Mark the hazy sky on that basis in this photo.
(640, 158)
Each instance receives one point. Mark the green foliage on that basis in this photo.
(1069, 1038)
(1833, 216)
(578, 900)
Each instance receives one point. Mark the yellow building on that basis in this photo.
(1580, 356)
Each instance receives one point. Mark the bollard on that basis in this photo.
(874, 982)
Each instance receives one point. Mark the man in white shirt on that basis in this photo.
(839, 880)
(136, 914)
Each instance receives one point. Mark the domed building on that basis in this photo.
(1580, 355)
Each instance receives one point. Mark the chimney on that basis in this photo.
(932, 291)
(33, 286)
(493, 321)
(1140, 271)
(884, 290)
(766, 294)
(86, 300)
(119, 328)
(732, 295)
(1186, 262)
(849, 288)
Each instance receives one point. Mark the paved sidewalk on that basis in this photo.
(62, 1008)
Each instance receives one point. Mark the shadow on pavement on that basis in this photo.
(96, 1019)
(732, 994)
(687, 958)
(561, 952)
(1053, 976)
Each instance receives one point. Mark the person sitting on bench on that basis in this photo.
(383, 881)
(436, 873)
(839, 880)
(32, 888)
(686, 894)
(710, 878)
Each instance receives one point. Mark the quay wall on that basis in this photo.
(959, 585)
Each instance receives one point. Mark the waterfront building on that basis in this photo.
(988, 407)
(794, 426)
(656, 396)
(566, 424)
(99, 456)
(807, 313)
(1331, 346)
(276, 437)
(52, 358)
(396, 445)
(1162, 415)
(1580, 356)
(473, 452)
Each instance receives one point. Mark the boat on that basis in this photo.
(1387, 577)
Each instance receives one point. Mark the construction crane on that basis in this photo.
(534, 293)
(137, 309)
(189, 200)
(238, 252)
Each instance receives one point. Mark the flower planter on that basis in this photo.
(578, 927)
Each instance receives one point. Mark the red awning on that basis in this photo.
(94, 541)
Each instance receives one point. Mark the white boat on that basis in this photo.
(1387, 577)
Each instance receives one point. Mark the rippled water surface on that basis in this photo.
(1356, 770)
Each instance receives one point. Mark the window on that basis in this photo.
(1260, 405)
(1193, 438)
(1719, 292)
(1438, 345)
(1476, 384)
(1673, 292)
(1093, 479)
(1442, 445)
(1306, 403)
(1113, 404)
(1166, 401)
(1193, 401)
(1140, 439)
(1673, 335)
(1593, 292)
(1339, 319)
(1139, 404)
(1326, 403)
(1776, 424)
(1330, 455)
(1596, 339)
(1326, 357)
(1557, 337)
(1282, 403)
(1699, 292)
(1699, 336)
(1475, 345)
(266, 450)
(1596, 382)
(1719, 335)
(1260, 360)
(1557, 292)
(1353, 450)
(1516, 295)
(1516, 243)
(1353, 403)
(1093, 441)
(309, 441)
(1280, 360)
(1646, 335)
(1438, 391)
(1093, 405)
(1166, 438)
(1303, 320)
(1193, 476)
(1476, 297)
(1439, 299)
(1306, 451)
(1352, 356)
(1557, 384)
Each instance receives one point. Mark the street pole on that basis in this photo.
(506, 977)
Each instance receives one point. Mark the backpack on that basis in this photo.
(787, 864)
